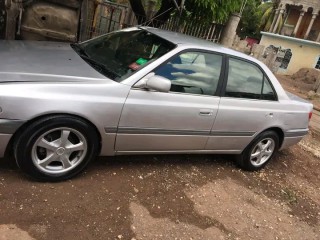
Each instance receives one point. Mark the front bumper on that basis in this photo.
(4, 140)
(7, 128)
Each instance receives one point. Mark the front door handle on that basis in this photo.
(206, 112)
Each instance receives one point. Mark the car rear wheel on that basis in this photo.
(259, 152)
(56, 148)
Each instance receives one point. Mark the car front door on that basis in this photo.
(179, 120)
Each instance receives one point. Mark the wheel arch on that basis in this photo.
(279, 131)
(9, 148)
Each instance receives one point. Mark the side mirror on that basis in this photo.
(156, 83)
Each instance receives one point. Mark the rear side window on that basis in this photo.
(246, 80)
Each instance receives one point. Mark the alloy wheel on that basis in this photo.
(59, 150)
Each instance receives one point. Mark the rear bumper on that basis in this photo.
(289, 141)
(292, 137)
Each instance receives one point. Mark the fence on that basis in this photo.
(98, 19)
(107, 17)
(211, 32)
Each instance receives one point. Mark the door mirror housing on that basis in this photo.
(156, 83)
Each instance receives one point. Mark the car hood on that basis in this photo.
(30, 61)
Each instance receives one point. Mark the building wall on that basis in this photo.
(304, 53)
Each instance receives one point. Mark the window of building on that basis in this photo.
(246, 80)
(318, 63)
(193, 72)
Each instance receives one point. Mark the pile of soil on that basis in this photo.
(299, 88)
(306, 78)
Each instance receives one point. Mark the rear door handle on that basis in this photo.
(206, 112)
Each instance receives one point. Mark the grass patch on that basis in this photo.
(289, 195)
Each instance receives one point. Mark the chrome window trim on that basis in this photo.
(181, 93)
(250, 99)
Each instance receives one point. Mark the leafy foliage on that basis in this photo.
(212, 10)
(268, 11)
(250, 21)
(257, 17)
(200, 10)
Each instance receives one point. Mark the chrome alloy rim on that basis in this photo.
(59, 150)
(262, 152)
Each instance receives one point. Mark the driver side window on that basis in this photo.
(193, 72)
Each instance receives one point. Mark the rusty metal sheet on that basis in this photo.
(48, 21)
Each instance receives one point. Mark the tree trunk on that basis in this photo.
(163, 14)
(138, 10)
(229, 31)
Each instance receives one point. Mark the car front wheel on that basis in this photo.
(56, 148)
(259, 152)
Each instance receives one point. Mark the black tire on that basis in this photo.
(25, 142)
(244, 159)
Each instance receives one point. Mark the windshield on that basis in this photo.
(117, 55)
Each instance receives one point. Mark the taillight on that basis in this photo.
(310, 115)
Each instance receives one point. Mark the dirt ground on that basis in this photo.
(170, 197)
(167, 197)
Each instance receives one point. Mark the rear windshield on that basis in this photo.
(119, 54)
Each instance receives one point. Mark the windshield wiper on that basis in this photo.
(97, 65)
(79, 49)
(101, 67)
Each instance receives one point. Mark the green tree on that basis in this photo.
(250, 21)
(201, 10)
(268, 11)
(212, 10)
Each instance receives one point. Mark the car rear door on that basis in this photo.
(248, 105)
(179, 120)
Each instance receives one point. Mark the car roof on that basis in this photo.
(183, 39)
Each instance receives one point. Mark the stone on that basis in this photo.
(311, 93)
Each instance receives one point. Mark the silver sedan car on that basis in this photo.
(139, 91)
